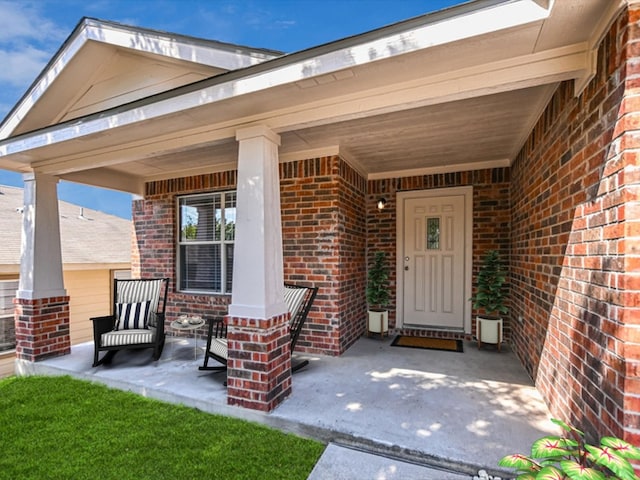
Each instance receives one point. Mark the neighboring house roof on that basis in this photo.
(90, 239)
(455, 90)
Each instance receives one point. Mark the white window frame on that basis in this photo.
(223, 242)
(8, 289)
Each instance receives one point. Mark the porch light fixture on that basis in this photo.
(382, 202)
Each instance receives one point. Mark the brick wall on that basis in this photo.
(323, 241)
(324, 245)
(352, 276)
(491, 222)
(575, 245)
(154, 238)
(42, 328)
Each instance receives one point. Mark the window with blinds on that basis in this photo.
(206, 234)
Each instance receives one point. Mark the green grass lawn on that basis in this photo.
(62, 428)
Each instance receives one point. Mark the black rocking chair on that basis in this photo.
(137, 320)
(298, 299)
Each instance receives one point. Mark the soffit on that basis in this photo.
(104, 65)
(103, 76)
(458, 104)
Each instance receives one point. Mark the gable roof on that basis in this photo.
(455, 90)
(90, 239)
(103, 64)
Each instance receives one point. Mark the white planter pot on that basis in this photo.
(489, 330)
(378, 322)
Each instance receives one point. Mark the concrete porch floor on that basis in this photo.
(457, 411)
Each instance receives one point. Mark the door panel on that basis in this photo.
(433, 252)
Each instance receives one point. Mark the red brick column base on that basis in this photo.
(42, 328)
(259, 363)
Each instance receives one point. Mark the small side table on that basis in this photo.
(186, 323)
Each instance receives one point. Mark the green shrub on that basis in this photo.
(570, 457)
(489, 295)
(378, 282)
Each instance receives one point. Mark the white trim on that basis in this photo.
(505, 75)
(143, 40)
(467, 192)
(258, 272)
(187, 172)
(108, 178)
(41, 254)
(615, 7)
(328, 151)
(352, 160)
(460, 167)
(402, 39)
(222, 195)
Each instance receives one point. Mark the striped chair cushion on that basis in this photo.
(127, 337)
(219, 347)
(140, 291)
(132, 316)
(294, 298)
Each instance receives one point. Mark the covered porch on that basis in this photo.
(525, 108)
(456, 411)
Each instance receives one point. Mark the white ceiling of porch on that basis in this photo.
(407, 108)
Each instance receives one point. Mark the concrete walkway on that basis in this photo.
(419, 413)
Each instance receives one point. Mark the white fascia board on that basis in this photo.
(48, 76)
(107, 179)
(504, 75)
(143, 41)
(305, 154)
(460, 167)
(191, 172)
(172, 47)
(604, 23)
(449, 29)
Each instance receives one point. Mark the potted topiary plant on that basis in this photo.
(489, 299)
(378, 295)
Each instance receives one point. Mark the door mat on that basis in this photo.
(428, 343)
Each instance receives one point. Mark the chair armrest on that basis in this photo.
(102, 325)
(160, 321)
(217, 329)
(160, 334)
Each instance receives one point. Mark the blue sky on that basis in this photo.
(32, 31)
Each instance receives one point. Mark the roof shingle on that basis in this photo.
(89, 237)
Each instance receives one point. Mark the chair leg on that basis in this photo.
(299, 365)
(105, 360)
(157, 351)
(206, 366)
(214, 369)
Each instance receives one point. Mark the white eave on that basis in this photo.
(453, 60)
(222, 56)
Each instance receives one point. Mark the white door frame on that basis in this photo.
(467, 192)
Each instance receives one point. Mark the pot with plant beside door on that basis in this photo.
(489, 299)
(378, 295)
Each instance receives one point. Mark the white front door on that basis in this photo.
(433, 262)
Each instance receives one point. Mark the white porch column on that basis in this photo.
(41, 304)
(259, 358)
(41, 262)
(258, 279)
